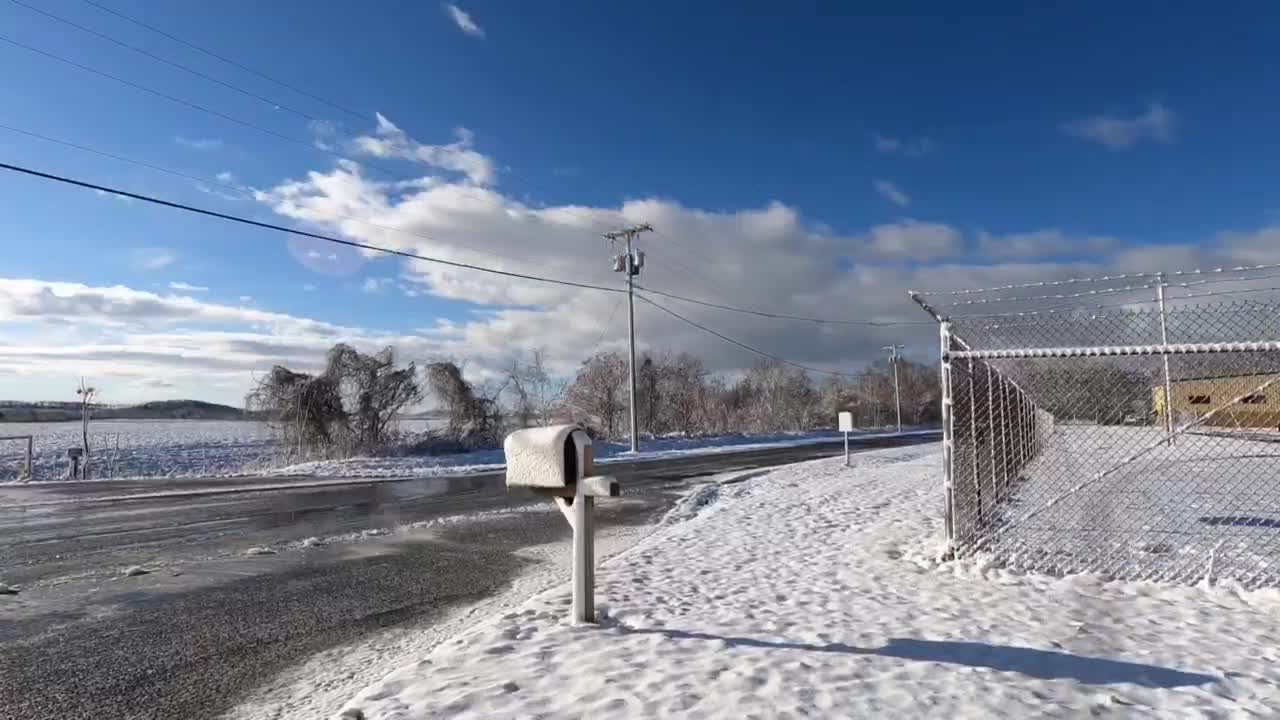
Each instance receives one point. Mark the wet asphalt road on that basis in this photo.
(208, 624)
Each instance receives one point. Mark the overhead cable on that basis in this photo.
(294, 231)
(229, 61)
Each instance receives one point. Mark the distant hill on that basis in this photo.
(156, 410)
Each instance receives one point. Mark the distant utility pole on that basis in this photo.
(630, 263)
(897, 399)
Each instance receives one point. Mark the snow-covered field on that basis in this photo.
(210, 448)
(132, 448)
(813, 592)
(605, 452)
(1212, 499)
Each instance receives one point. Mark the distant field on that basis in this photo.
(150, 448)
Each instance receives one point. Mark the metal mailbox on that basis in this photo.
(558, 461)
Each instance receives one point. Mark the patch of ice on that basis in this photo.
(6, 589)
(259, 550)
(135, 571)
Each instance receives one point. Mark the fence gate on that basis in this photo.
(1139, 439)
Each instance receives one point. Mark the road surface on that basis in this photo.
(210, 621)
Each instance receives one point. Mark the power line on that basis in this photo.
(248, 93)
(744, 346)
(229, 61)
(194, 106)
(710, 275)
(293, 231)
(781, 316)
(218, 183)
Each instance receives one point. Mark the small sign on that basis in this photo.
(846, 422)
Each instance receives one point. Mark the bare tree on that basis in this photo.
(537, 393)
(86, 393)
(597, 395)
(474, 415)
(373, 391)
(347, 408)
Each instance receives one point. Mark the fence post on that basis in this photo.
(1164, 340)
(1027, 415)
(1004, 432)
(991, 431)
(948, 438)
(973, 438)
(29, 475)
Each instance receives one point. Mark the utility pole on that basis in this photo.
(630, 263)
(897, 399)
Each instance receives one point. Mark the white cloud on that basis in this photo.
(390, 141)
(768, 257)
(246, 299)
(375, 284)
(114, 196)
(323, 134)
(890, 192)
(1120, 133)
(226, 176)
(151, 258)
(463, 20)
(1042, 243)
(308, 288)
(915, 148)
(187, 287)
(914, 240)
(199, 143)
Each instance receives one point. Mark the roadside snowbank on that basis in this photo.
(812, 591)
(483, 461)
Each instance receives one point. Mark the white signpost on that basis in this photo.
(846, 427)
(557, 461)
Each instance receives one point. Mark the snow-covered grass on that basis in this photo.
(213, 448)
(151, 448)
(1170, 514)
(813, 591)
(605, 452)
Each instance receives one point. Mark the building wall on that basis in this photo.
(1197, 397)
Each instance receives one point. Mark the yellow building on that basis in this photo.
(1198, 396)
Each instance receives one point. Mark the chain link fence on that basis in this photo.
(1139, 440)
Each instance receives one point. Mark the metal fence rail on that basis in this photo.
(1140, 439)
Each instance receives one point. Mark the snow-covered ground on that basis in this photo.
(136, 448)
(1210, 500)
(605, 452)
(813, 591)
(213, 448)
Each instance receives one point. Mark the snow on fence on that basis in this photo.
(1134, 435)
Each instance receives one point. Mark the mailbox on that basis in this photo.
(547, 457)
(558, 461)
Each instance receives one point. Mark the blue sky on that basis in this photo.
(860, 147)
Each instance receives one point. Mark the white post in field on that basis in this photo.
(846, 426)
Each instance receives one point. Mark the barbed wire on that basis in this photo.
(1059, 296)
(1108, 278)
(1043, 283)
(1223, 280)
